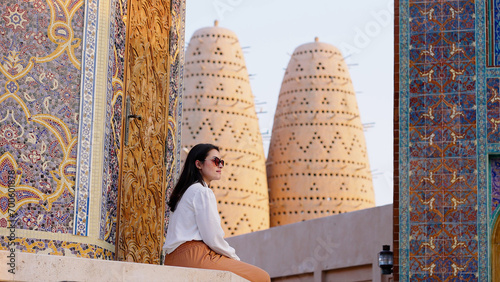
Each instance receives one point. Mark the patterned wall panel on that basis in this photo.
(143, 184)
(496, 31)
(114, 98)
(493, 108)
(40, 53)
(493, 33)
(86, 119)
(58, 247)
(495, 183)
(439, 147)
(173, 143)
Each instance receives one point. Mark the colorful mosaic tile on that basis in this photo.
(493, 108)
(495, 183)
(85, 130)
(439, 114)
(39, 109)
(173, 144)
(493, 42)
(58, 248)
(112, 136)
(46, 115)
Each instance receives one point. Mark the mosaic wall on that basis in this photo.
(112, 137)
(47, 80)
(448, 111)
(40, 53)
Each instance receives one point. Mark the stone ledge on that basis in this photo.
(33, 267)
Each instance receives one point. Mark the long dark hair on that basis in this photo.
(190, 173)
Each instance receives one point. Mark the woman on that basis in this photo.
(194, 236)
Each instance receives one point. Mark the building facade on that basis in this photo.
(75, 116)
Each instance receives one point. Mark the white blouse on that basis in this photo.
(197, 218)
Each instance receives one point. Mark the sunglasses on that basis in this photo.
(218, 161)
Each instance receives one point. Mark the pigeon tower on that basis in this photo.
(317, 164)
(218, 108)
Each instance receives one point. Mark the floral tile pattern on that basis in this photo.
(40, 66)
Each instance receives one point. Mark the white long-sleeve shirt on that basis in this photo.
(196, 218)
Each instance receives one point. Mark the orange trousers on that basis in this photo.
(198, 255)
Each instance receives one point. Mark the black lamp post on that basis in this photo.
(386, 259)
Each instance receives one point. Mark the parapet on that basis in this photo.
(35, 267)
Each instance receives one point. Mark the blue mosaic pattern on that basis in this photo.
(493, 109)
(483, 191)
(496, 31)
(495, 183)
(82, 190)
(442, 159)
(447, 131)
(404, 263)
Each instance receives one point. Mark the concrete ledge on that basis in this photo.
(33, 267)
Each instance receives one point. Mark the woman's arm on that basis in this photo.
(208, 221)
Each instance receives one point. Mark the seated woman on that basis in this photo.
(194, 236)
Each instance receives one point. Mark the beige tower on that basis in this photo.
(318, 163)
(218, 108)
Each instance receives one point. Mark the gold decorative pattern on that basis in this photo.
(142, 194)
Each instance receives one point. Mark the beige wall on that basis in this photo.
(341, 247)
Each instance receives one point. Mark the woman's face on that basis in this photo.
(209, 171)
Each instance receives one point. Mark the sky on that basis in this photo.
(270, 30)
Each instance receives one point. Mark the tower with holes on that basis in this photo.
(318, 163)
(218, 108)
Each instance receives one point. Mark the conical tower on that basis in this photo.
(218, 108)
(318, 163)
